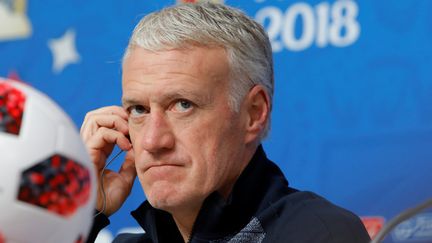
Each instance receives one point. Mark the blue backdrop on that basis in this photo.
(352, 117)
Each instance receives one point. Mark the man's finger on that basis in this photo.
(88, 125)
(128, 170)
(106, 136)
(103, 120)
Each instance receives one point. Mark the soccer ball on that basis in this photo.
(47, 181)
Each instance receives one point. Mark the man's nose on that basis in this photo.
(157, 134)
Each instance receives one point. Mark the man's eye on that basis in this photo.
(137, 110)
(182, 106)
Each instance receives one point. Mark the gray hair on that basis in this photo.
(209, 24)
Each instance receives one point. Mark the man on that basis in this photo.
(197, 94)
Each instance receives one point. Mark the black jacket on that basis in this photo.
(261, 208)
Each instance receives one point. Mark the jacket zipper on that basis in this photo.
(192, 233)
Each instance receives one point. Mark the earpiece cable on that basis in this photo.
(102, 184)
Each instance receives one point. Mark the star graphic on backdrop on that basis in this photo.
(64, 51)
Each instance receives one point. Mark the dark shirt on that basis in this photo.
(261, 208)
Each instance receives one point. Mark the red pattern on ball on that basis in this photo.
(57, 184)
(12, 103)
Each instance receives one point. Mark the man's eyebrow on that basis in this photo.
(185, 94)
(129, 101)
(199, 98)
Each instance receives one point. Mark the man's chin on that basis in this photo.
(166, 204)
(172, 202)
(163, 197)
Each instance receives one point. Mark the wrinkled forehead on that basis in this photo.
(209, 62)
(199, 68)
(183, 45)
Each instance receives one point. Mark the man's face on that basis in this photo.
(187, 140)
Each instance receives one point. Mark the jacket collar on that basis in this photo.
(260, 184)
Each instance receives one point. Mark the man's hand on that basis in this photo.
(101, 130)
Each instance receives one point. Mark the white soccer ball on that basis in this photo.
(47, 181)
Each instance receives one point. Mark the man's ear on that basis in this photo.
(258, 110)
